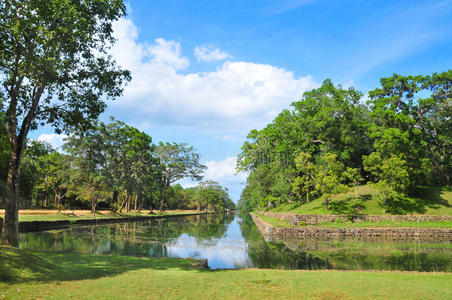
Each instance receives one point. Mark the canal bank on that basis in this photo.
(42, 225)
(294, 231)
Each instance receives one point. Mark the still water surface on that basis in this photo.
(231, 241)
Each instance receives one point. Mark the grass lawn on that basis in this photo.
(27, 275)
(54, 215)
(431, 201)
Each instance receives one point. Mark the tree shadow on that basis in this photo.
(349, 205)
(426, 198)
(18, 266)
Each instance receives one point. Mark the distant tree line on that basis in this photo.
(398, 139)
(113, 166)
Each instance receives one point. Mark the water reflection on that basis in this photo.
(231, 241)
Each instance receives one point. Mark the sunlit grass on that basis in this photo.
(430, 201)
(359, 224)
(74, 276)
(382, 224)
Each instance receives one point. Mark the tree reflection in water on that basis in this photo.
(233, 241)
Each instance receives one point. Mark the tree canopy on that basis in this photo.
(399, 140)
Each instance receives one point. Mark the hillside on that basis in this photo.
(431, 201)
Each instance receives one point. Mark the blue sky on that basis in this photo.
(207, 72)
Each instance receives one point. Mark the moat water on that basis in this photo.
(233, 241)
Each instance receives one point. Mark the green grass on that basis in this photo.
(365, 224)
(74, 276)
(359, 224)
(431, 201)
(276, 222)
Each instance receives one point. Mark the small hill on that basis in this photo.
(430, 201)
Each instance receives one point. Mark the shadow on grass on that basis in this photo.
(423, 200)
(18, 265)
(426, 198)
(349, 205)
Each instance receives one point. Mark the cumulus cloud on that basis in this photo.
(210, 53)
(224, 171)
(168, 53)
(236, 97)
(55, 140)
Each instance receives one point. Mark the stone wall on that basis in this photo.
(324, 232)
(296, 219)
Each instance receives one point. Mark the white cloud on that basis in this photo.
(236, 97)
(168, 53)
(224, 171)
(56, 140)
(210, 53)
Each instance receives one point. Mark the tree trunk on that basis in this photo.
(129, 197)
(136, 202)
(93, 207)
(162, 204)
(10, 235)
(139, 200)
(115, 201)
(122, 204)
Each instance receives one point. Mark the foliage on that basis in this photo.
(400, 142)
(304, 183)
(328, 177)
(178, 161)
(282, 158)
(54, 69)
(116, 166)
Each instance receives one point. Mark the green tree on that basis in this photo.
(328, 119)
(353, 175)
(31, 174)
(54, 69)
(411, 120)
(54, 172)
(87, 180)
(210, 195)
(304, 183)
(178, 161)
(329, 177)
(390, 174)
(127, 161)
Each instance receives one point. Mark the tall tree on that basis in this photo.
(411, 119)
(329, 177)
(178, 161)
(54, 69)
(87, 178)
(390, 174)
(304, 183)
(328, 119)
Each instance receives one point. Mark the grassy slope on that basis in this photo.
(75, 276)
(433, 201)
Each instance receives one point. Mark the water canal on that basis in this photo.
(233, 241)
